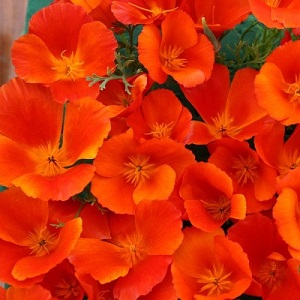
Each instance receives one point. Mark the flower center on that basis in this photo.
(219, 209)
(215, 281)
(68, 68)
(223, 126)
(245, 169)
(50, 160)
(271, 273)
(293, 90)
(133, 248)
(67, 290)
(153, 10)
(161, 130)
(288, 162)
(170, 57)
(41, 242)
(138, 169)
(272, 3)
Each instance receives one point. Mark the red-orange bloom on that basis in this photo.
(41, 140)
(142, 11)
(276, 13)
(219, 15)
(62, 282)
(177, 50)
(161, 115)
(220, 106)
(30, 246)
(250, 175)
(209, 198)
(209, 266)
(139, 251)
(128, 172)
(270, 262)
(62, 48)
(277, 85)
(284, 155)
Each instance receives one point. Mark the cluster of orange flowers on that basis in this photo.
(106, 197)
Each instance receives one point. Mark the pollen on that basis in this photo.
(170, 57)
(293, 90)
(138, 169)
(51, 161)
(161, 130)
(68, 68)
(288, 161)
(218, 208)
(245, 169)
(215, 281)
(41, 241)
(153, 10)
(271, 272)
(223, 126)
(67, 289)
(272, 3)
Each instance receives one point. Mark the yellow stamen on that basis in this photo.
(288, 162)
(68, 68)
(153, 10)
(170, 57)
(293, 90)
(219, 208)
(161, 130)
(138, 169)
(271, 272)
(272, 3)
(245, 169)
(223, 126)
(215, 281)
(51, 161)
(41, 241)
(67, 289)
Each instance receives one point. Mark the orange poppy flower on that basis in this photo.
(209, 266)
(29, 244)
(137, 171)
(284, 155)
(161, 115)
(270, 263)
(277, 84)
(142, 12)
(139, 251)
(219, 15)
(208, 197)
(177, 50)
(220, 106)
(62, 48)
(35, 154)
(62, 282)
(118, 102)
(250, 175)
(276, 13)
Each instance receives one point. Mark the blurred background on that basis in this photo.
(12, 25)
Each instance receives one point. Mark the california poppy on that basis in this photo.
(177, 50)
(270, 262)
(139, 251)
(209, 266)
(276, 13)
(220, 104)
(250, 175)
(128, 171)
(41, 140)
(29, 244)
(277, 84)
(142, 12)
(35, 292)
(62, 48)
(219, 15)
(161, 115)
(209, 198)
